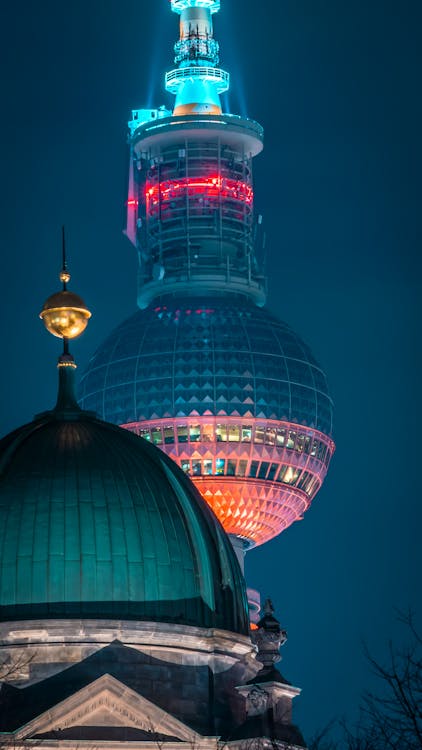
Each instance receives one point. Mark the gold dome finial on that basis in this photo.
(64, 313)
(64, 276)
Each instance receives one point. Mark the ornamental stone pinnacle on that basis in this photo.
(269, 637)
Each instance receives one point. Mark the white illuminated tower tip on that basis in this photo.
(197, 82)
(179, 5)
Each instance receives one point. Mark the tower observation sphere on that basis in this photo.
(203, 370)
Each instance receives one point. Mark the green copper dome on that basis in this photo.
(95, 522)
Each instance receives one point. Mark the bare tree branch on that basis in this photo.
(391, 718)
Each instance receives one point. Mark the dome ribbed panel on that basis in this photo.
(95, 522)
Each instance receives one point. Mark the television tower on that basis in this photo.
(203, 370)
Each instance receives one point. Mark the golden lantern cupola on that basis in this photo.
(64, 313)
(66, 316)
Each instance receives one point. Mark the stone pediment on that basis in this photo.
(107, 702)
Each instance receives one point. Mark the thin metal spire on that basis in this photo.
(64, 276)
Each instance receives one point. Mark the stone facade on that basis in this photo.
(95, 681)
(189, 672)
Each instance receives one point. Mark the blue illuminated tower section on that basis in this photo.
(190, 205)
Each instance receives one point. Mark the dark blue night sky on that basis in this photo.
(336, 86)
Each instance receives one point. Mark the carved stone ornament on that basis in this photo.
(108, 702)
(257, 701)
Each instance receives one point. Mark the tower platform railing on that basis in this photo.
(176, 77)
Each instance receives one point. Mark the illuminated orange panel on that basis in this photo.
(258, 476)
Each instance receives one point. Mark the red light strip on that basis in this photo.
(208, 186)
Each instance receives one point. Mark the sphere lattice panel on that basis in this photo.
(230, 393)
